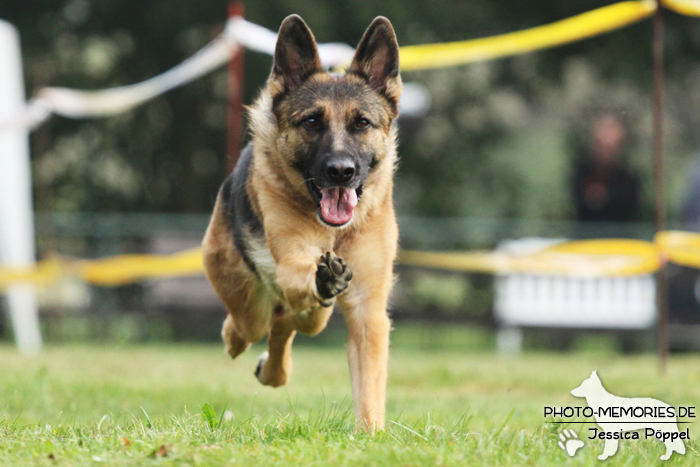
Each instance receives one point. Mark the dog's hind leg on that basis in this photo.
(235, 344)
(678, 446)
(275, 365)
(247, 300)
(249, 316)
(671, 446)
(249, 303)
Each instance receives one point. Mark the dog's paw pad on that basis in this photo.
(569, 442)
(332, 277)
(261, 363)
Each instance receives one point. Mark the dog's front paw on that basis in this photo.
(332, 277)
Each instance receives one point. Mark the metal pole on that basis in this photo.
(235, 97)
(16, 211)
(659, 175)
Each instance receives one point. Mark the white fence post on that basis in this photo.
(16, 214)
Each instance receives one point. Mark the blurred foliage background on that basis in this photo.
(499, 141)
(492, 160)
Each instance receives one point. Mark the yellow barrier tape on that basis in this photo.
(456, 261)
(611, 246)
(583, 258)
(589, 24)
(120, 270)
(111, 271)
(683, 7)
(682, 248)
(43, 273)
(586, 258)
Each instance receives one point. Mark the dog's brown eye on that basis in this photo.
(311, 122)
(362, 123)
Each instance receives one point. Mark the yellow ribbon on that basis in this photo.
(683, 7)
(680, 247)
(614, 257)
(120, 270)
(589, 24)
(585, 258)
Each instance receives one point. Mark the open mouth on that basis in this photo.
(336, 204)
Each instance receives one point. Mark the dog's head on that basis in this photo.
(590, 386)
(332, 133)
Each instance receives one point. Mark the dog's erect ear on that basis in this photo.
(377, 59)
(296, 55)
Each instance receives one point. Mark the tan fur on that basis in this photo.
(296, 240)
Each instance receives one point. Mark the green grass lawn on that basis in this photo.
(77, 405)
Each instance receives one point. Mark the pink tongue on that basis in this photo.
(337, 204)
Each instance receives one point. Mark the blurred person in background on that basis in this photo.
(684, 282)
(690, 211)
(605, 189)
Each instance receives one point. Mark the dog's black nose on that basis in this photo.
(340, 170)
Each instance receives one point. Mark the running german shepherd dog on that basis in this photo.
(307, 218)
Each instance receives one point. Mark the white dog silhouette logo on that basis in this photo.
(617, 415)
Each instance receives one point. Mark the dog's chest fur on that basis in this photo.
(248, 231)
(260, 256)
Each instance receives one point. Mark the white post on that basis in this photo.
(16, 214)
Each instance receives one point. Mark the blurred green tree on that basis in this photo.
(496, 143)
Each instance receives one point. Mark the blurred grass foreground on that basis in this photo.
(191, 405)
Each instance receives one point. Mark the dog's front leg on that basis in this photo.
(311, 279)
(309, 290)
(368, 356)
(609, 450)
(365, 308)
(371, 256)
(296, 278)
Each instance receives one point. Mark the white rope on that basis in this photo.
(75, 103)
(259, 39)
